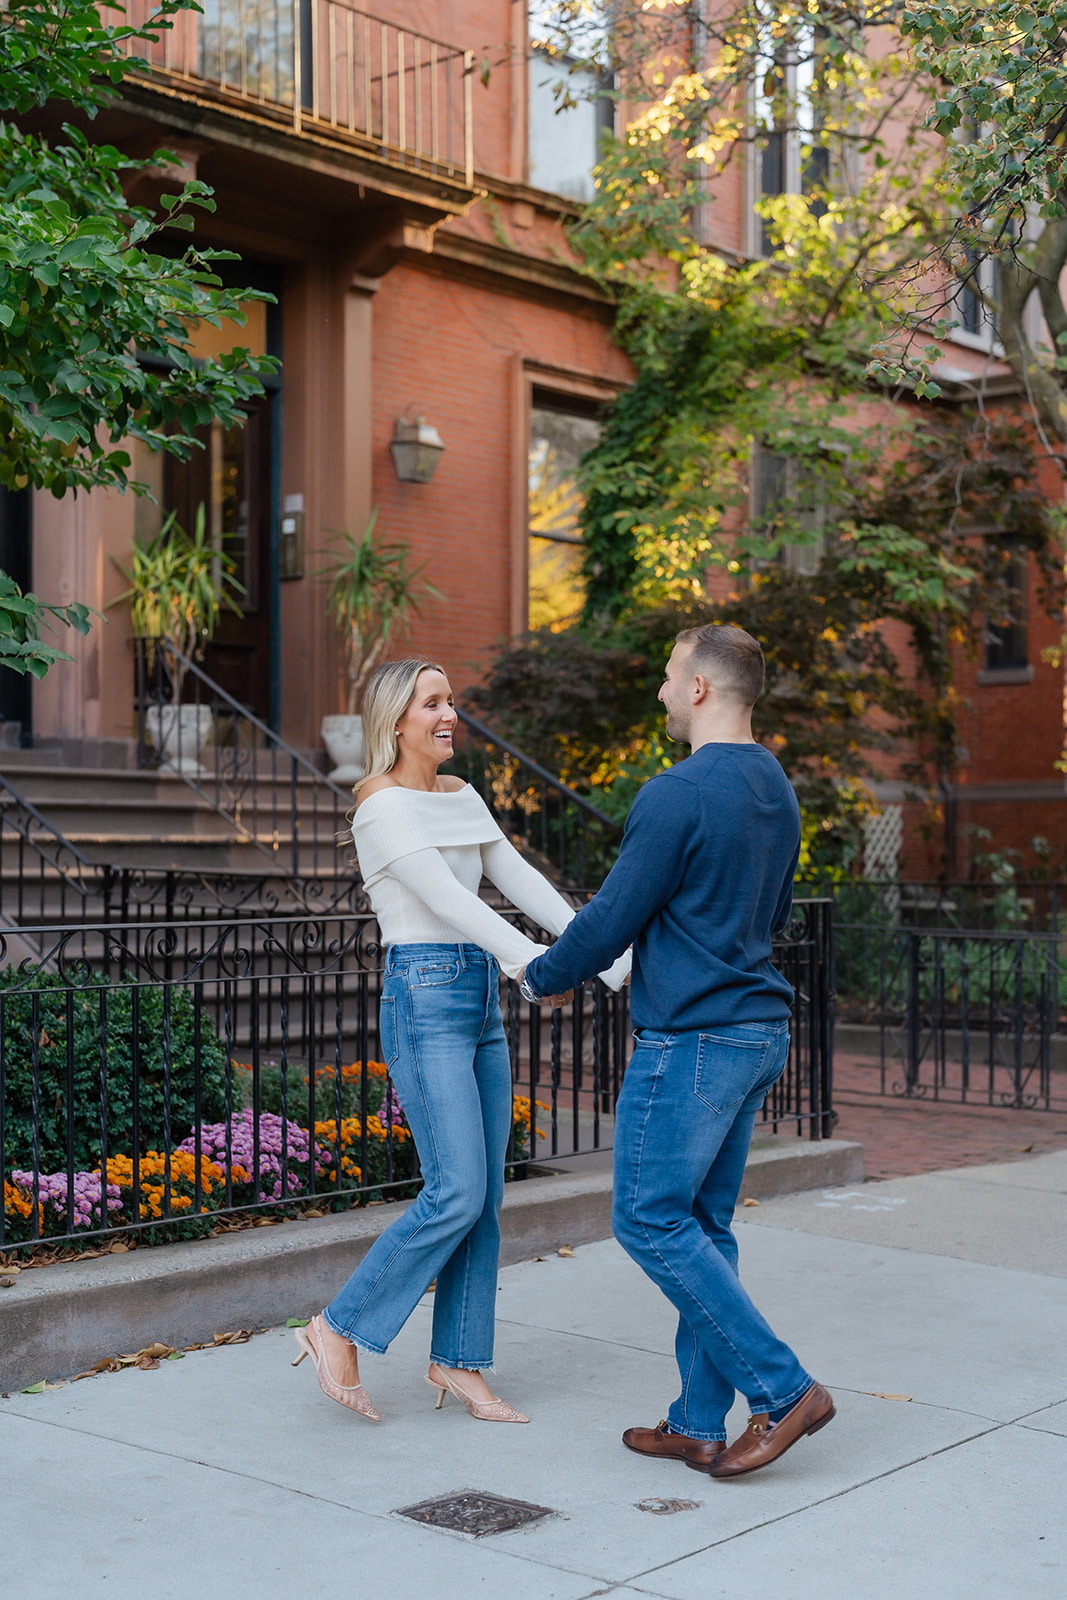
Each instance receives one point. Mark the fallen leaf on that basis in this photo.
(105, 1364)
(1026, 1148)
(314, 1212)
(147, 1364)
(750, 1202)
(266, 1222)
(176, 1355)
(41, 1388)
(297, 1322)
(878, 1395)
(537, 1258)
(118, 1248)
(156, 1350)
(7, 1281)
(564, 1250)
(240, 1336)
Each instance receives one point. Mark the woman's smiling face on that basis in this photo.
(426, 727)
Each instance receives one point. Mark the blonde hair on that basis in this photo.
(390, 690)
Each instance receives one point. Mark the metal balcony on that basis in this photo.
(322, 68)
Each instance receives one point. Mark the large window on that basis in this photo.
(790, 157)
(569, 110)
(561, 431)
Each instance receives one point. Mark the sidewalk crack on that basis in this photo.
(840, 1494)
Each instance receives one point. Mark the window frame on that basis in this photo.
(526, 378)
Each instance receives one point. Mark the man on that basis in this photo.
(703, 880)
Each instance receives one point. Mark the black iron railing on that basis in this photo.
(539, 812)
(970, 1015)
(43, 877)
(46, 881)
(155, 1076)
(271, 795)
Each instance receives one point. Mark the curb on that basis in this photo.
(59, 1320)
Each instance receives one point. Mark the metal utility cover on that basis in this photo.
(471, 1511)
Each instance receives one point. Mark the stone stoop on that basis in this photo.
(59, 1320)
(126, 817)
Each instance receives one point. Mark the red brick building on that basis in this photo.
(401, 186)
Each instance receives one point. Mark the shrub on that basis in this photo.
(99, 1015)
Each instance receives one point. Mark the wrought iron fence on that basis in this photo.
(158, 1077)
(969, 1015)
(324, 66)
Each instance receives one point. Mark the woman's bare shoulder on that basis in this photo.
(451, 784)
(375, 786)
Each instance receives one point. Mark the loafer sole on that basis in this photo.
(664, 1455)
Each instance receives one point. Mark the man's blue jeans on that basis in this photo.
(684, 1122)
(443, 1042)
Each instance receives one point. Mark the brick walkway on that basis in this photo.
(904, 1137)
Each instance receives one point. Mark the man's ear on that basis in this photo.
(700, 689)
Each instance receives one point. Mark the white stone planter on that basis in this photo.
(343, 738)
(180, 734)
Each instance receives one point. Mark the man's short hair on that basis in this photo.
(729, 658)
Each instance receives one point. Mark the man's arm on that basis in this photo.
(659, 832)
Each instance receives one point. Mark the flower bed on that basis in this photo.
(244, 1161)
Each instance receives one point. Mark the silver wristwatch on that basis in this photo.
(526, 992)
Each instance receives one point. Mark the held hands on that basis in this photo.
(553, 1000)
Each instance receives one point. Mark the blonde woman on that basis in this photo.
(424, 842)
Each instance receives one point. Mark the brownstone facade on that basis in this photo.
(409, 218)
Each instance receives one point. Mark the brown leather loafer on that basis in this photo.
(760, 1444)
(658, 1441)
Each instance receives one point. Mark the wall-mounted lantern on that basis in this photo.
(417, 448)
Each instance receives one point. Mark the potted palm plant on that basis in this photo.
(179, 583)
(373, 594)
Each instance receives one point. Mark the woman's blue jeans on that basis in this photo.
(683, 1126)
(443, 1041)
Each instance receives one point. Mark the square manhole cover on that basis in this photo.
(470, 1511)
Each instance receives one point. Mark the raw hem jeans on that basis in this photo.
(684, 1122)
(443, 1041)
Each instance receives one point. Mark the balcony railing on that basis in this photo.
(324, 67)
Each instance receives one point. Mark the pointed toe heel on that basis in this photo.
(352, 1396)
(482, 1410)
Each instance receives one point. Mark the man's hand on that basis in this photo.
(553, 1000)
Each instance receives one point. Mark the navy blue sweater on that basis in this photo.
(703, 879)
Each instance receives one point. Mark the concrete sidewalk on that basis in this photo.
(228, 1471)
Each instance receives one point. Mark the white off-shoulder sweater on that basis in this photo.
(423, 856)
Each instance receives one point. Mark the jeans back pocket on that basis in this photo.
(728, 1069)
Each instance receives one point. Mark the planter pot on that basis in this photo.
(343, 738)
(180, 734)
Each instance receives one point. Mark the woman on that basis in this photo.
(424, 842)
